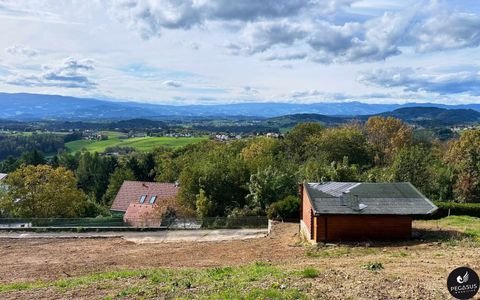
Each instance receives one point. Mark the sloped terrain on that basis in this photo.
(278, 266)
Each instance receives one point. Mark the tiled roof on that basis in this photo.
(131, 191)
(368, 198)
(142, 215)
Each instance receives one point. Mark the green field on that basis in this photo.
(140, 144)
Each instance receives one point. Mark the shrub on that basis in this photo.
(287, 208)
(310, 273)
(456, 209)
(373, 266)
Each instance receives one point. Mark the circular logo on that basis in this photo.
(463, 283)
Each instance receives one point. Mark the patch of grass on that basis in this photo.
(310, 273)
(20, 286)
(341, 251)
(220, 273)
(452, 230)
(373, 266)
(245, 282)
(400, 254)
(328, 252)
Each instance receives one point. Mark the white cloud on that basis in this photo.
(447, 30)
(21, 50)
(151, 17)
(419, 80)
(70, 73)
(278, 46)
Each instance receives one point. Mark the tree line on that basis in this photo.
(260, 176)
(16, 145)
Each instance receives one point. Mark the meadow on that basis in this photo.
(139, 143)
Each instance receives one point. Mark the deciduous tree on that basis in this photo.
(43, 192)
(387, 136)
(464, 155)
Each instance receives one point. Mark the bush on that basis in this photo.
(287, 208)
(373, 266)
(456, 209)
(310, 273)
(93, 209)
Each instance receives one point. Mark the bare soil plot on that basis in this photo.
(114, 268)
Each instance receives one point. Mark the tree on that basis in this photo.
(464, 156)
(115, 182)
(295, 140)
(387, 136)
(260, 153)
(168, 163)
(67, 160)
(268, 186)
(220, 172)
(93, 174)
(43, 192)
(9, 165)
(343, 171)
(33, 158)
(412, 164)
(287, 208)
(333, 144)
(315, 170)
(204, 205)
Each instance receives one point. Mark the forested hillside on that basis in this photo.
(259, 176)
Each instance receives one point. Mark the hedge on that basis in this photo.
(456, 209)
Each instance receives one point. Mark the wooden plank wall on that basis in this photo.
(307, 213)
(358, 228)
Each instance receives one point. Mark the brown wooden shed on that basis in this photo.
(352, 211)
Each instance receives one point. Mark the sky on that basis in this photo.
(224, 51)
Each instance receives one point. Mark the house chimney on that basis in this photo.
(343, 198)
(354, 203)
(177, 184)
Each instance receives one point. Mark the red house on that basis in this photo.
(352, 211)
(138, 201)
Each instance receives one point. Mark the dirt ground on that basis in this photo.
(416, 269)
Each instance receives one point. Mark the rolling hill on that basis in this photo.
(425, 116)
(435, 116)
(30, 107)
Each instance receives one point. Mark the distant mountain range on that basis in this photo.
(424, 116)
(31, 107)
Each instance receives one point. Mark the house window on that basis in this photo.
(152, 199)
(142, 199)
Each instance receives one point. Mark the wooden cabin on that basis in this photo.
(352, 211)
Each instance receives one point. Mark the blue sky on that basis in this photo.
(223, 51)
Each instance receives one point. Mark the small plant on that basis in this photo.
(400, 254)
(373, 266)
(310, 273)
(326, 252)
